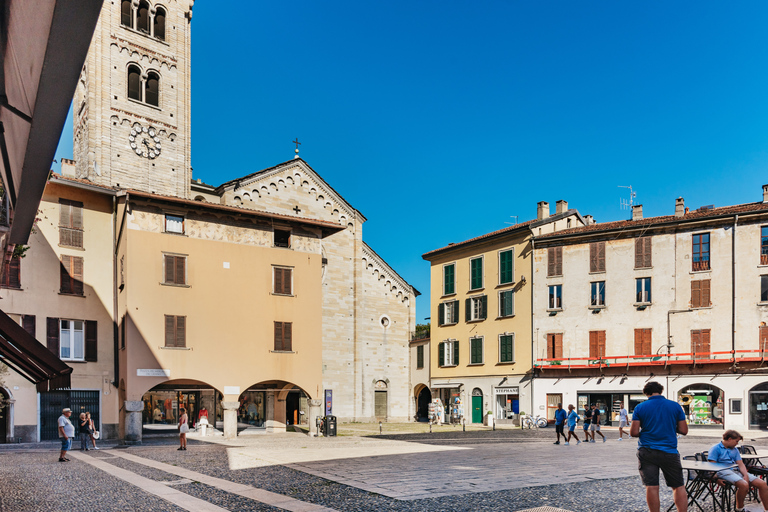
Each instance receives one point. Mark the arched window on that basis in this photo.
(126, 14)
(134, 83)
(143, 18)
(152, 94)
(160, 23)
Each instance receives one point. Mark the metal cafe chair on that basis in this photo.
(722, 492)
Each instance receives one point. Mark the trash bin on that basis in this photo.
(329, 426)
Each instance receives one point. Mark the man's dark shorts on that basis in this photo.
(650, 461)
(559, 429)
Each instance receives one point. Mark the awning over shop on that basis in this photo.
(446, 385)
(27, 356)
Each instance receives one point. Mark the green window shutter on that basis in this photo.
(456, 311)
(507, 303)
(449, 281)
(476, 271)
(476, 347)
(441, 314)
(484, 307)
(420, 357)
(506, 271)
(456, 352)
(440, 354)
(503, 304)
(468, 306)
(505, 350)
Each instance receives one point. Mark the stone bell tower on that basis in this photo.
(131, 110)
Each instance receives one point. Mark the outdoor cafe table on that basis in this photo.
(754, 456)
(698, 486)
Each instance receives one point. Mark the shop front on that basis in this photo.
(758, 407)
(703, 405)
(609, 404)
(447, 398)
(163, 404)
(507, 404)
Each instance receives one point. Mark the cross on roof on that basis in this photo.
(297, 142)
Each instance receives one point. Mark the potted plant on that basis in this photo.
(489, 419)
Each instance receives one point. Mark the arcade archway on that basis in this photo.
(162, 405)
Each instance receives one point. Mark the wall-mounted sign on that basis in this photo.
(153, 372)
(231, 390)
(509, 390)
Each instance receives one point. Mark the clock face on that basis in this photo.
(145, 141)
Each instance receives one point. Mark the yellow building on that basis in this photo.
(480, 355)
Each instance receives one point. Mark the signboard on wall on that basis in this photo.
(153, 372)
(508, 390)
(328, 402)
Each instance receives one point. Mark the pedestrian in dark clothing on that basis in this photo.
(84, 429)
(595, 427)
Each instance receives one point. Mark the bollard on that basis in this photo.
(493, 420)
(464, 423)
(379, 428)
(430, 427)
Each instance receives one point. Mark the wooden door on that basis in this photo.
(380, 404)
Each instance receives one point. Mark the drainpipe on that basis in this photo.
(533, 317)
(733, 288)
(669, 335)
(115, 329)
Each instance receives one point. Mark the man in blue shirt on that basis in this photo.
(573, 417)
(657, 421)
(725, 452)
(560, 416)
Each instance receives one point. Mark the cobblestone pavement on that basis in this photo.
(405, 473)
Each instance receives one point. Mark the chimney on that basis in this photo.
(765, 193)
(67, 167)
(561, 206)
(679, 207)
(588, 220)
(543, 210)
(637, 212)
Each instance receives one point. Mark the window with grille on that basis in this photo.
(596, 344)
(282, 280)
(11, 274)
(283, 337)
(175, 271)
(597, 293)
(701, 252)
(506, 267)
(175, 331)
(477, 308)
(507, 348)
(420, 357)
(506, 303)
(476, 273)
(700, 293)
(71, 275)
(643, 252)
(555, 297)
(643, 290)
(555, 261)
(597, 257)
(449, 279)
(70, 223)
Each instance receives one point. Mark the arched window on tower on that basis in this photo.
(160, 24)
(152, 94)
(126, 14)
(142, 20)
(134, 83)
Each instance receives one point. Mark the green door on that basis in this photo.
(477, 409)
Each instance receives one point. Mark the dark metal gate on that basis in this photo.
(53, 402)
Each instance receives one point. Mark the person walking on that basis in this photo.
(92, 429)
(656, 422)
(725, 452)
(587, 422)
(66, 433)
(573, 417)
(84, 431)
(560, 416)
(595, 427)
(623, 422)
(183, 428)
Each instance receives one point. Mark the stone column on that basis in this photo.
(230, 419)
(314, 412)
(133, 410)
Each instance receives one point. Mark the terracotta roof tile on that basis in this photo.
(59, 177)
(481, 237)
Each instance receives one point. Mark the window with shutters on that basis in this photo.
(70, 223)
(420, 357)
(596, 344)
(643, 290)
(701, 252)
(175, 331)
(700, 293)
(476, 350)
(763, 288)
(555, 261)
(448, 353)
(174, 269)
(643, 341)
(282, 281)
(72, 340)
(448, 313)
(283, 337)
(174, 224)
(764, 245)
(507, 348)
(476, 273)
(763, 340)
(597, 294)
(700, 343)
(643, 252)
(555, 297)
(29, 324)
(449, 279)
(506, 266)
(11, 274)
(71, 274)
(477, 308)
(597, 257)
(282, 238)
(554, 345)
(506, 303)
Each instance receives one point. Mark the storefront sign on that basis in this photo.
(153, 372)
(509, 390)
(231, 390)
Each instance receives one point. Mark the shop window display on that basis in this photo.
(251, 411)
(703, 404)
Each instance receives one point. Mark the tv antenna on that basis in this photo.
(512, 223)
(627, 205)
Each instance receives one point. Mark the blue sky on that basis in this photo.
(441, 120)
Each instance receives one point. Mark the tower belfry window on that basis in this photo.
(134, 83)
(126, 13)
(152, 95)
(159, 24)
(142, 20)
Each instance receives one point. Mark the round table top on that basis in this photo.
(704, 466)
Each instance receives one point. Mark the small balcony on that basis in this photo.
(700, 265)
(422, 333)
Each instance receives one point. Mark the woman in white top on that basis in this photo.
(183, 428)
(623, 421)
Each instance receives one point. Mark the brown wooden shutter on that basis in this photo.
(647, 341)
(601, 256)
(639, 252)
(593, 345)
(91, 341)
(65, 274)
(170, 270)
(288, 281)
(763, 339)
(52, 335)
(643, 342)
(638, 342)
(706, 299)
(695, 342)
(28, 323)
(559, 345)
(77, 275)
(558, 261)
(695, 294)
(278, 336)
(12, 274)
(170, 331)
(552, 261)
(593, 263)
(181, 331)
(181, 270)
(647, 245)
(287, 336)
(278, 275)
(705, 335)
(65, 214)
(601, 343)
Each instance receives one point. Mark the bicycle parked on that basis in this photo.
(537, 421)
